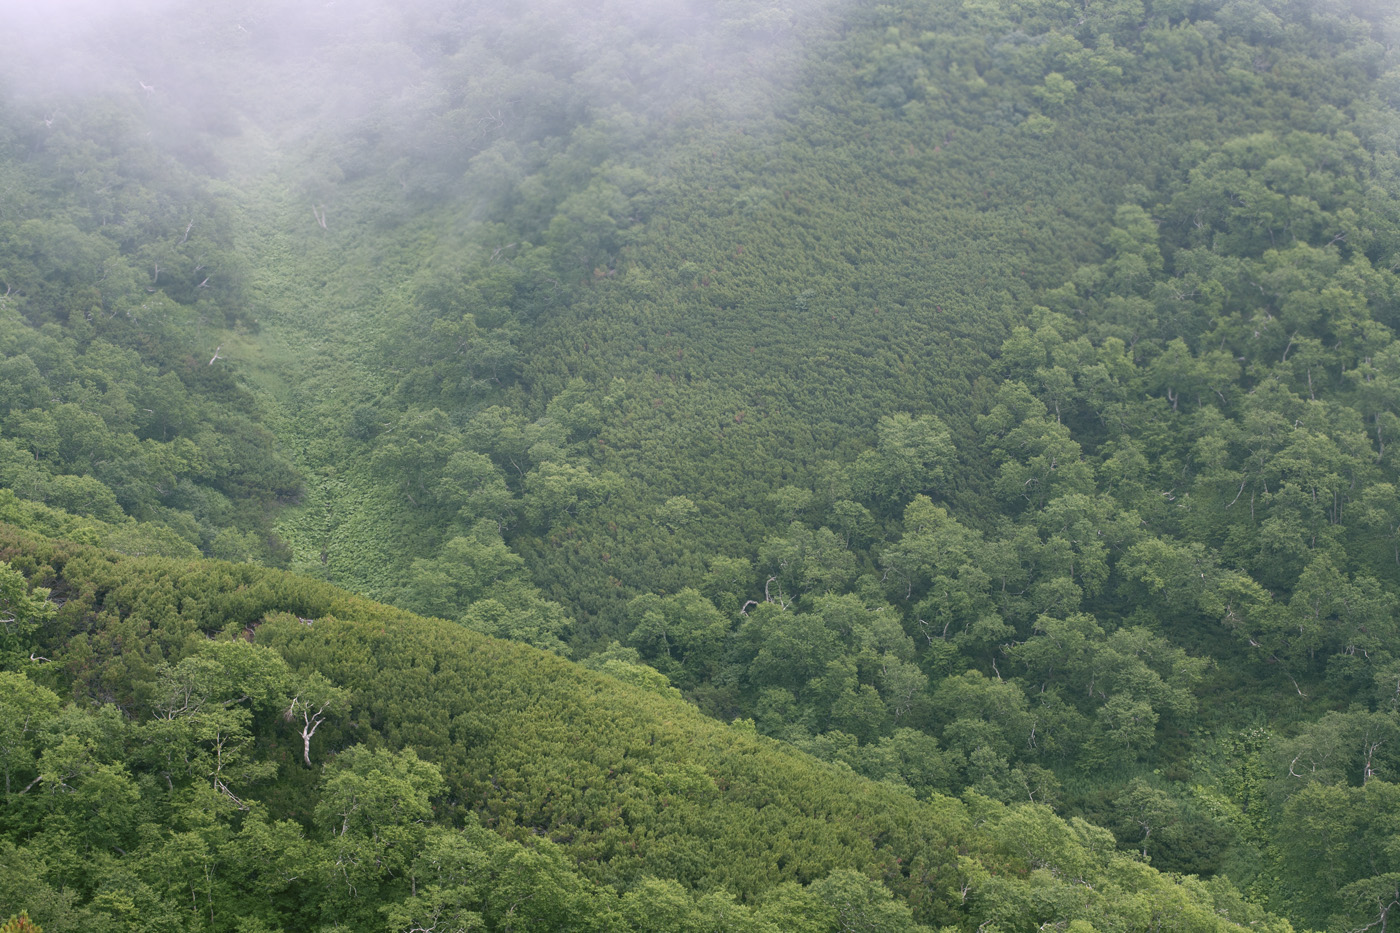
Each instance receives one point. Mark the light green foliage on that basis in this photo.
(683, 636)
(912, 456)
(22, 612)
(25, 708)
(203, 714)
(374, 806)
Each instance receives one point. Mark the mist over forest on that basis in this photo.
(750, 466)
(477, 73)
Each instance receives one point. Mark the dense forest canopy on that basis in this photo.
(938, 457)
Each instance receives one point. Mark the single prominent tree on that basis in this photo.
(315, 700)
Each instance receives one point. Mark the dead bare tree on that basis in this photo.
(312, 705)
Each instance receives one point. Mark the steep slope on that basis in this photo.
(145, 776)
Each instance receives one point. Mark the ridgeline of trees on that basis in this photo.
(219, 746)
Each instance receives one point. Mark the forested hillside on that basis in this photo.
(994, 400)
(217, 746)
(119, 278)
